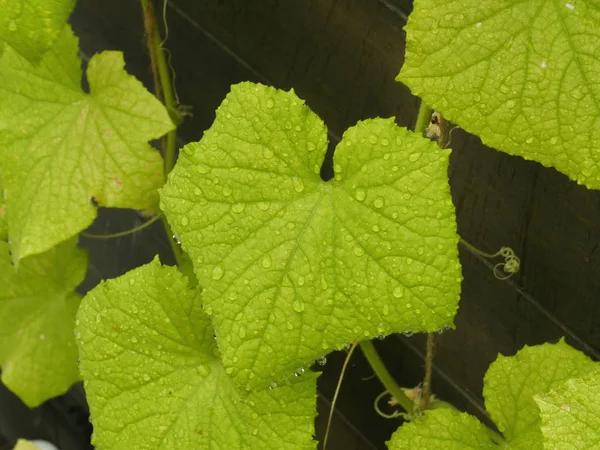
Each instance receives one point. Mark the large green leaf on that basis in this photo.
(30, 27)
(293, 266)
(520, 74)
(37, 306)
(61, 147)
(153, 378)
(442, 429)
(571, 414)
(511, 383)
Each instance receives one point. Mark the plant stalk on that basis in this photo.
(162, 80)
(384, 376)
(164, 91)
(423, 118)
(428, 370)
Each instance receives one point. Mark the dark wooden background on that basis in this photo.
(342, 58)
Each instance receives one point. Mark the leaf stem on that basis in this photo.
(164, 91)
(384, 376)
(162, 80)
(122, 233)
(423, 118)
(428, 370)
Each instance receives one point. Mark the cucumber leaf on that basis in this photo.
(3, 222)
(522, 75)
(571, 413)
(63, 149)
(511, 383)
(294, 267)
(154, 380)
(442, 429)
(30, 27)
(38, 303)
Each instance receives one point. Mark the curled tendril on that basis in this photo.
(385, 415)
(503, 270)
(509, 267)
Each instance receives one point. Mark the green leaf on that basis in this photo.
(23, 444)
(293, 266)
(154, 380)
(511, 383)
(38, 306)
(61, 147)
(30, 27)
(3, 223)
(571, 414)
(442, 429)
(520, 74)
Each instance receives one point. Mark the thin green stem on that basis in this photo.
(122, 233)
(164, 91)
(476, 250)
(162, 80)
(428, 370)
(384, 376)
(423, 118)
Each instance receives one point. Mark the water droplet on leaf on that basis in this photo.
(217, 273)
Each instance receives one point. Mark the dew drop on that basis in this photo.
(385, 142)
(359, 251)
(201, 168)
(323, 282)
(146, 377)
(232, 295)
(398, 292)
(229, 370)
(242, 332)
(310, 146)
(379, 202)
(266, 261)
(203, 370)
(263, 206)
(301, 280)
(297, 305)
(185, 221)
(270, 103)
(267, 153)
(386, 310)
(298, 184)
(217, 273)
(12, 26)
(238, 207)
(373, 139)
(360, 194)
(510, 104)
(197, 191)
(226, 191)
(413, 157)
